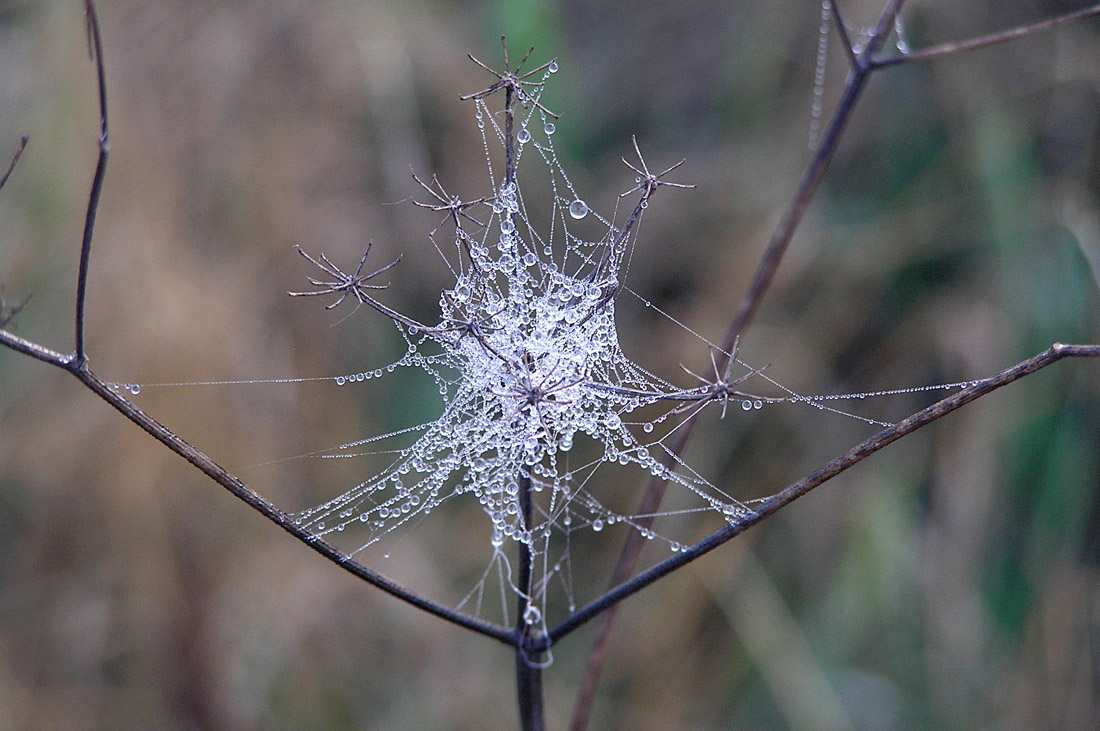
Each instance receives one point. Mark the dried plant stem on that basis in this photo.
(528, 669)
(95, 48)
(948, 49)
(834, 467)
(624, 569)
(862, 64)
(234, 485)
(14, 160)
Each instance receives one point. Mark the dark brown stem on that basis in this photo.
(628, 561)
(948, 49)
(848, 459)
(842, 31)
(781, 239)
(233, 484)
(96, 49)
(14, 160)
(528, 667)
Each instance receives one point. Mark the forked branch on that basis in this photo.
(863, 62)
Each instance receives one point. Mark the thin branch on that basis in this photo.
(34, 350)
(848, 459)
(948, 49)
(624, 569)
(8, 312)
(95, 48)
(781, 239)
(842, 31)
(257, 502)
(14, 159)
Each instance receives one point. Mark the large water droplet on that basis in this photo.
(507, 225)
(578, 209)
(553, 67)
(523, 136)
(549, 128)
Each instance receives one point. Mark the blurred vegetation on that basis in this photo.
(949, 582)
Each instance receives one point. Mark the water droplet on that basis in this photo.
(578, 209)
(507, 225)
(647, 427)
(597, 525)
(549, 128)
(340, 380)
(746, 405)
(523, 136)
(135, 388)
(757, 404)
(529, 259)
(553, 67)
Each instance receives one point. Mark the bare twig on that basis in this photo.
(842, 31)
(8, 312)
(781, 239)
(14, 160)
(95, 49)
(528, 670)
(862, 66)
(834, 467)
(234, 485)
(948, 49)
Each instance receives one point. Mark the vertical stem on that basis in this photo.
(96, 49)
(528, 669)
(509, 140)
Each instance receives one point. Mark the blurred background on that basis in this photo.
(951, 581)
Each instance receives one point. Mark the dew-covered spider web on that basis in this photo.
(530, 374)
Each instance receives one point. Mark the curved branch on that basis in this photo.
(254, 500)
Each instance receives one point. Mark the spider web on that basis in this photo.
(527, 363)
